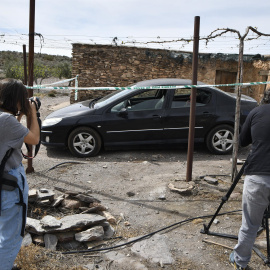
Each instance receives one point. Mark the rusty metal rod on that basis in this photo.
(30, 168)
(24, 65)
(193, 99)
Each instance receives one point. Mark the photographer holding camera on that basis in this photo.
(256, 192)
(14, 103)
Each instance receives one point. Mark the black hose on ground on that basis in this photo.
(147, 235)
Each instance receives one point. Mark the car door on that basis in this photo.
(176, 120)
(135, 120)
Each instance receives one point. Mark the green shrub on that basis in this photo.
(52, 93)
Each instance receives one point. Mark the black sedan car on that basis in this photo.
(144, 117)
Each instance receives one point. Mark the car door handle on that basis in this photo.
(156, 116)
(206, 113)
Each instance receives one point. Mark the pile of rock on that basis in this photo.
(90, 224)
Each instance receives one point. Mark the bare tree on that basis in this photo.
(217, 33)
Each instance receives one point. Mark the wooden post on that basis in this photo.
(237, 110)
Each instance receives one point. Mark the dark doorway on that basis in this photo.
(226, 77)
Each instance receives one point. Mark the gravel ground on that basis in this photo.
(134, 187)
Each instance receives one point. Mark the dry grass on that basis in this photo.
(38, 258)
(127, 231)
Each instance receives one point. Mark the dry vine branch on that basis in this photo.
(217, 33)
(164, 41)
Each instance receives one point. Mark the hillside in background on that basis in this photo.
(11, 58)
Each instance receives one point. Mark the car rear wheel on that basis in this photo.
(84, 142)
(220, 140)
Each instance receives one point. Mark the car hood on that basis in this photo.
(243, 97)
(79, 108)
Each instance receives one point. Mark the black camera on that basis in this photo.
(37, 102)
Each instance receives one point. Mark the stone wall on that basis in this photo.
(119, 66)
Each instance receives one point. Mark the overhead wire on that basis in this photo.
(223, 44)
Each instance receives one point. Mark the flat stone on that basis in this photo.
(50, 241)
(211, 180)
(121, 262)
(32, 195)
(45, 202)
(86, 198)
(45, 194)
(98, 206)
(27, 240)
(93, 234)
(186, 191)
(71, 204)
(154, 249)
(110, 218)
(58, 201)
(108, 230)
(71, 222)
(158, 193)
(50, 222)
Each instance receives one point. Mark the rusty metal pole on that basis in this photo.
(193, 98)
(30, 168)
(24, 65)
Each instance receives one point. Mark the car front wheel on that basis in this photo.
(84, 142)
(220, 140)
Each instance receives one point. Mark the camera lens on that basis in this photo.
(37, 102)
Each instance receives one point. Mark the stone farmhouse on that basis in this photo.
(120, 66)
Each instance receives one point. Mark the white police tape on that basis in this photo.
(145, 87)
(45, 86)
(76, 88)
(59, 82)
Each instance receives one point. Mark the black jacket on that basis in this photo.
(256, 131)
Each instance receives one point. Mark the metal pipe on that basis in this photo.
(30, 168)
(193, 99)
(24, 65)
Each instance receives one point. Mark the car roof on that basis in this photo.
(164, 82)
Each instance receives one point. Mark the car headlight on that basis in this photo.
(51, 122)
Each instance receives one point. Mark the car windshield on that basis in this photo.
(109, 98)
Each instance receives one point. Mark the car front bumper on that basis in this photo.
(54, 138)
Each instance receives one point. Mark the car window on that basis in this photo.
(110, 98)
(182, 97)
(203, 97)
(147, 100)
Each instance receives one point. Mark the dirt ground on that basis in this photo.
(133, 184)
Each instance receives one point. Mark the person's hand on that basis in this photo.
(33, 105)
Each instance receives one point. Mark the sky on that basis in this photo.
(139, 23)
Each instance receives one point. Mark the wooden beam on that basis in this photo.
(264, 72)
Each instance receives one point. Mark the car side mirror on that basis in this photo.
(123, 112)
